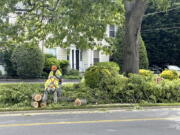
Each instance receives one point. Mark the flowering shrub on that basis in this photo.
(169, 74)
(145, 72)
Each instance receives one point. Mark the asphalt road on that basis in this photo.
(91, 122)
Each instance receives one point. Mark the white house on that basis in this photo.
(80, 59)
(2, 68)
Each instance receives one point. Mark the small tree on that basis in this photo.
(144, 62)
(28, 61)
(118, 53)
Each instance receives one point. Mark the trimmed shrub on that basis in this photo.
(100, 71)
(49, 56)
(95, 74)
(110, 66)
(61, 64)
(28, 61)
(51, 61)
(145, 72)
(169, 74)
(78, 91)
(73, 72)
(143, 58)
(18, 94)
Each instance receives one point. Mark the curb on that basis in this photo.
(35, 80)
(95, 107)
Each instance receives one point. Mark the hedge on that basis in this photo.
(116, 89)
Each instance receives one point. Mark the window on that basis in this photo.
(81, 55)
(52, 51)
(96, 57)
(68, 54)
(112, 32)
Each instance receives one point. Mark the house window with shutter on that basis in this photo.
(96, 56)
(112, 31)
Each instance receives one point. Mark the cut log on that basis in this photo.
(79, 102)
(35, 104)
(158, 80)
(43, 104)
(37, 97)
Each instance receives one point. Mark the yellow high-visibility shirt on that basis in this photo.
(57, 74)
(51, 83)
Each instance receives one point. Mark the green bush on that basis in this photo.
(110, 89)
(110, 66)
(6, 56)
(28, 61)
(51, 60)
(48, 64)
(18, 94)
(73, 72)
(170, 91)
(140, 88)
(105, 82)
(96, 73)
(169, 74)
(63, 65)
(49, 56)
(145, 72)
(143, 58)
(78, 91)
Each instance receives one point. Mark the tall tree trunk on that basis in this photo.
(135, 10)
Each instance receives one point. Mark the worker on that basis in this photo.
(58, 76)
(51, 86)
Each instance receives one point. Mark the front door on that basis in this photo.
(72, 59)
(77, 59)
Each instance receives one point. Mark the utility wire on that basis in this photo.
(149, 14)
(158, 29)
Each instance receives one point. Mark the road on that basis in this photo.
(90, 122)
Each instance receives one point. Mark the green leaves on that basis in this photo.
(65, 22)
(161, 4)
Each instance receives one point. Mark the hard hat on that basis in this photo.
(54, 67)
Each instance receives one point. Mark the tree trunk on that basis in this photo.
(135, 10)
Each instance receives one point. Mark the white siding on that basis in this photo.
(84, 64)
(61, 53)
(2, 69)
(103, 57)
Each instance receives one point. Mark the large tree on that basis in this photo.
(80, 22)
(135, 10)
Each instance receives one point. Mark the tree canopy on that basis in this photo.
(63, 22)
(79, 22)
(161, 32)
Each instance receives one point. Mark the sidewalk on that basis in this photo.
(35, 80)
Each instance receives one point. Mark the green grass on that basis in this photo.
(102, 107)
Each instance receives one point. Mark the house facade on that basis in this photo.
(80, 59)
